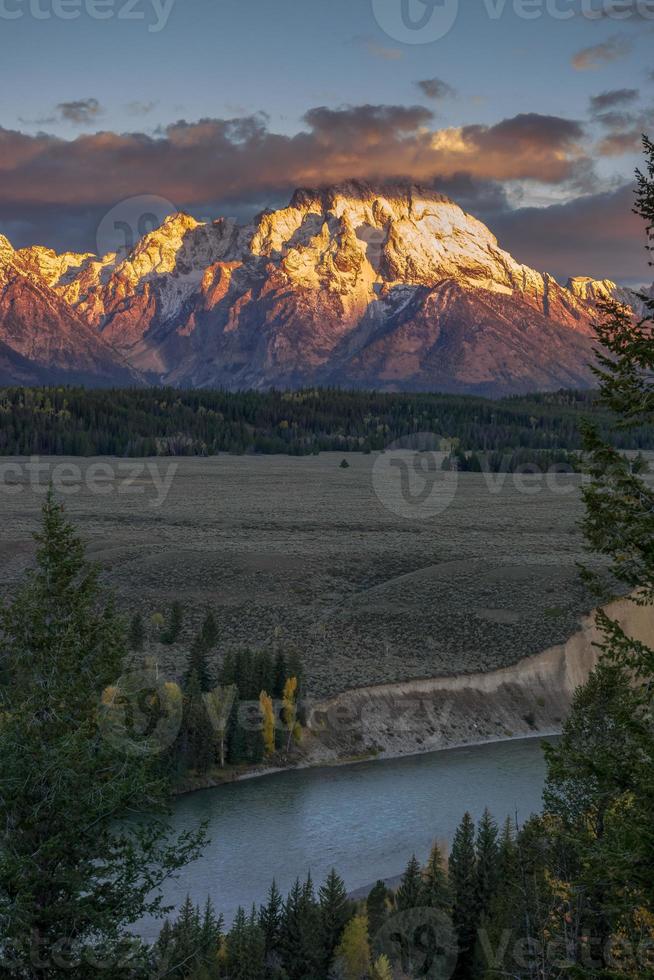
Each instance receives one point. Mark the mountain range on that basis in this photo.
(388, 287)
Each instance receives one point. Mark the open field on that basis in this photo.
(305, 552)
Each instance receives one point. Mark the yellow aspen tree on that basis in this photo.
(268, 714)
(219, 704)
(353, 953)
(381, 969)
(289, 709)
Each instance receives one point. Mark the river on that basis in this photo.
(365, 819)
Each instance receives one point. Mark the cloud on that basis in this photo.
(615, 97)
(597, 55)
(623, 127)
(378, 50)
(435, 88)
(529, 146)
(140, 108)
(626, 134)
(80, 112)
(225, 165)
(595, 235)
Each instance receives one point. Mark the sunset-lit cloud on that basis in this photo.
(55, 191)
(597, 55)
(190, 162)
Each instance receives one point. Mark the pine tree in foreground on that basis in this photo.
(409, 892)
(487, 860)
(270, 921)
(335, 912)
(435, 886)
(463, 881)
(600, 784)
(377, 907)
(70, 873)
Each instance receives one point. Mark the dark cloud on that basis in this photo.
(531, 129)
(627, 137)
(483, 198)
(612, 99)
(528, 146)
(623, 128)
(596, 235)
(81, 112)
(600, 54)
(435, 88)
(366, 122)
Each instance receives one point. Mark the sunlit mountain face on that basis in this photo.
(148, 156)
(385, 286)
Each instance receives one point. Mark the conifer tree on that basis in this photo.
(409, 892)
(197, 664)
(487, 862)
(600, 786)
(270, 921)
(335, 911)
(69, 871)
(209, 632)
(302, 949)
(197, 732)
(504, 922)
(377, 905)
(136, 638)
(435, 887)
(281, 673)
(173, 624)
(236, 947)
(463, 882)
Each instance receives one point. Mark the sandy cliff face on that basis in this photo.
(383, 286)
(532, 697)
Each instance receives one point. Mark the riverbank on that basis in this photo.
(390, 721)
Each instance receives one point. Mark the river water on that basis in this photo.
(366, 819)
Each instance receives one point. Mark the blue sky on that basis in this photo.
(66, 81)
